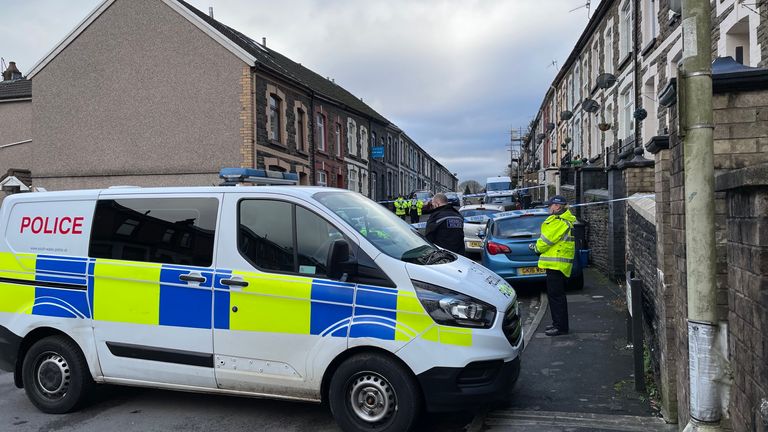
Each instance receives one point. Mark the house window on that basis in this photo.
(627, 122)
(274, 118)
(595, 63)
(650, 20)
(320, 132)
(625, 29)
(338, 139)
(577, 84)
(353, 180)
(608, 52)
(364, 142)
(737, 41)
(301, 121)
(322, 178)
(351, 137)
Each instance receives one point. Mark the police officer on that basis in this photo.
(445, 226)
(557, 249)
(416, 206)
(401, 206)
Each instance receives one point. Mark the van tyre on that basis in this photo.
(56, 375)
(375, 393)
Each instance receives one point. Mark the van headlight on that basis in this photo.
(454, 309)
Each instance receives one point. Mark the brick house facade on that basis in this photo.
(259, 111)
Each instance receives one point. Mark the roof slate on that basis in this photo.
(16, 89)
(284, 65)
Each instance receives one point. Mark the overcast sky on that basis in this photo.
(456, 75)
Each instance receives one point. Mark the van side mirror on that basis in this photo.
(339, 264)
(481, 234)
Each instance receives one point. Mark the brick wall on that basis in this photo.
(747, 240)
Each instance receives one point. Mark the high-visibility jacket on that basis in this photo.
(556, 244)
(401, 206)
(417, 205)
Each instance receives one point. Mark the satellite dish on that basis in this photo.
(590, 106)
(566, 115)
(606, 80)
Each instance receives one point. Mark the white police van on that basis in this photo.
(301, 293)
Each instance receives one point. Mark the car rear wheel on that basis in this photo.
(372, 392)
(56, 376)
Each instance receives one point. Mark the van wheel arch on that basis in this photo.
(334, 365)
(26, 343)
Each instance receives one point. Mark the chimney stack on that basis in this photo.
(12, 73)
(210, 11)
(264, 42)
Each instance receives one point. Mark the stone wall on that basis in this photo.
(747, 240)
(598, 231)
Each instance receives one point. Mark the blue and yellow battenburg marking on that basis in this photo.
(147, 293)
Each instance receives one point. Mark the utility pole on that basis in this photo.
(697, 127)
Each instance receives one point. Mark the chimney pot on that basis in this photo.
(264, 42)
(12, 72)
(210, 11)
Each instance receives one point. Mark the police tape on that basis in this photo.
(535, 211)
(498, 193)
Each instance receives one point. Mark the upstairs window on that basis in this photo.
(301, 121)
(338, 140)
(320, 132)
(274, 118)
(625, 29)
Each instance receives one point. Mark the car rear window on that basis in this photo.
(523, 226)
(478, 212)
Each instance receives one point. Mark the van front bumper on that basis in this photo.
(9, 349)
(478, 383)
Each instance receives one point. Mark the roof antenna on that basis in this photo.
(587, 5)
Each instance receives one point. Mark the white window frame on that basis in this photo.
(625, 29)
(322, 178)
(352, 137)
(337, 138)
(364, 142)
(626, 102)
(321, 144)
(608, 51)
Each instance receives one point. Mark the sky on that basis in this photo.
(456, 75)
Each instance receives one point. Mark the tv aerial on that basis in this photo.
(587, 5)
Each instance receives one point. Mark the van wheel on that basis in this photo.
(56, 376)
(374, 393)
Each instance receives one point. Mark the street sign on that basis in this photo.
(377, 152)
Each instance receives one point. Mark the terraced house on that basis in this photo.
(608, 129)
(156, 92)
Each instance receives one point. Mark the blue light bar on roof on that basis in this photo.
(232, 176)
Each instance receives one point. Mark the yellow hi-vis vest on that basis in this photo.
(400, 206)
(419, 205)
(556, 244)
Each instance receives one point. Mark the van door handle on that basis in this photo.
(192, 277)
(234, 282)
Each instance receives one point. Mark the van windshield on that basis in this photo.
(382, 228)
(498, 186)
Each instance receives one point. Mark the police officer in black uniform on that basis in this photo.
(445, 226)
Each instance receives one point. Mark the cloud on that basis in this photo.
(456, 75)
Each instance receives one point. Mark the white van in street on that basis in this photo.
(302, 293)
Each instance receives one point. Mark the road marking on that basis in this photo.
(511, 420)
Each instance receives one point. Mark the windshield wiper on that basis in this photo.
(415, 254)
(438, 256)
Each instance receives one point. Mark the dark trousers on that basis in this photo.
(558, 304)
(414, 217)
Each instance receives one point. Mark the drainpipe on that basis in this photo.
(696, 123)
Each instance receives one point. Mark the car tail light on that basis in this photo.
(495, 248)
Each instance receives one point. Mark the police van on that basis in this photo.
(301, 293)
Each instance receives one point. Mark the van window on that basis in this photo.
(158, 230)
(265, 234)
(279, 236)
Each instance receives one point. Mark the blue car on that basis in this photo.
(505, 247)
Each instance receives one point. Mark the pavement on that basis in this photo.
(582, 381)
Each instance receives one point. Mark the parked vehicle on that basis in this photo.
(424, 196)
(301, 293)
(453, 198)
(505, 247)
(475, 218)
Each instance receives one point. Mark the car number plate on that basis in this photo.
(475, 244)
(531, 270)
